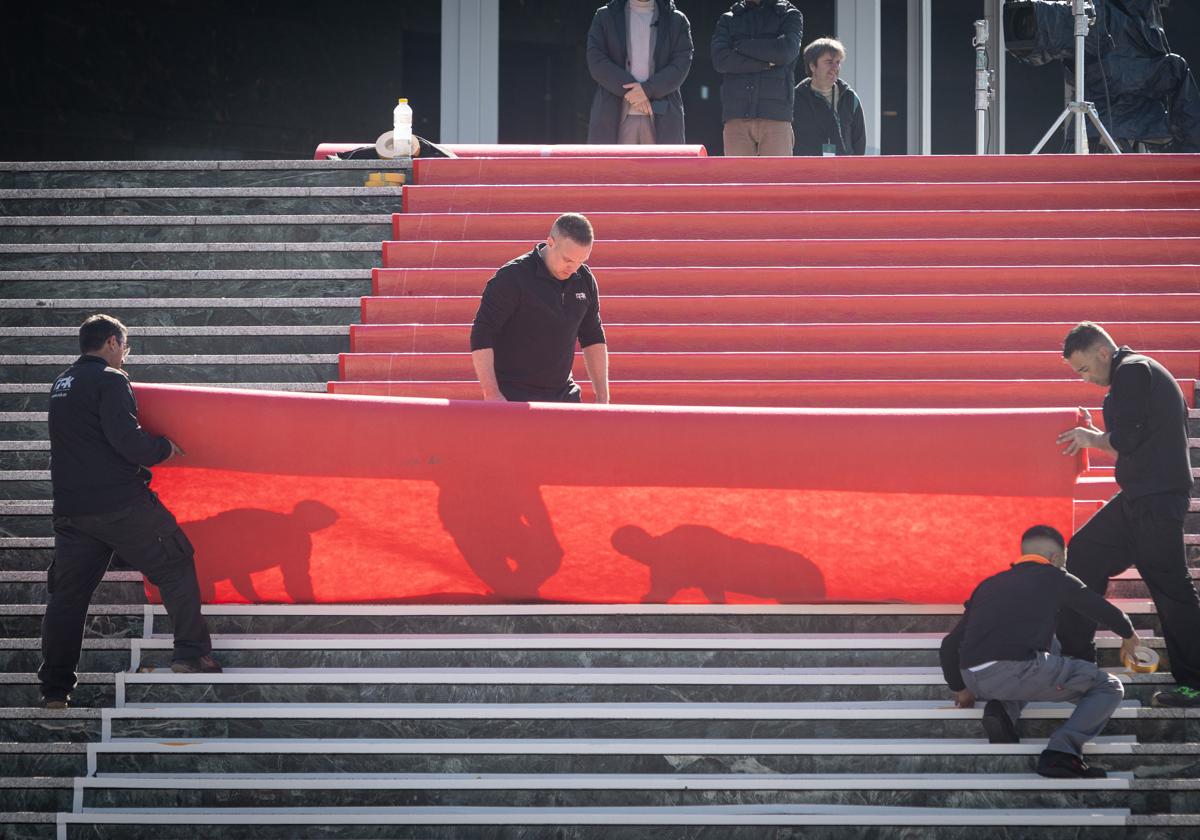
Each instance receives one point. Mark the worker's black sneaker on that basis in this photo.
(199, 665)
(1060, 765)
(1179, 697)
(56, 702)
(1000, 728)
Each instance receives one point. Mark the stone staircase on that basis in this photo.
(564, 721)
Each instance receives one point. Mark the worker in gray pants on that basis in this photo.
(1003, 650)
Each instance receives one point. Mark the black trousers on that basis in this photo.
(148, 539)
(514, 393)
(1146, 533)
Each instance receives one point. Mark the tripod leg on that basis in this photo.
(1104, 135)
(1061, 117)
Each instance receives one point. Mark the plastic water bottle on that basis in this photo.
(402, 129)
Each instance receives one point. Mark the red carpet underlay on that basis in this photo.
(840, 279)
(339, 499)
(759, 338)
(809, 309)
(874, 169)
(814, 252)
(897, 394)
(1060, 195)
(809, 224)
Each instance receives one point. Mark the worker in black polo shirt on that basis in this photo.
(533, 311)
(1002, 650)
(103, 506)
(1145, 421)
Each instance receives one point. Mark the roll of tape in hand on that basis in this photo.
(1143, 661)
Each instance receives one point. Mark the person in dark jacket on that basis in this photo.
(755, 49)
(1146, 428)
(103, 506)
(532, 313)
(639, 52)
(1002, 650)
(829, 117)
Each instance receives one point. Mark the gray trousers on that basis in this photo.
(1052, 678)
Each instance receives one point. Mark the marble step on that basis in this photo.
(735, 822)
(608, 755)
(191, 256)
(731, 650)
(33, 725)
(43, 759)
(911, 718)
(554, 685)
(199, 201)
(363, 790)
(378, 651)
(262, 282)
(137, 619)
(42, 175)
(189, 368)
(328, 339)
(30, 587)
(210, 312)
(22, 689)
(62, 230)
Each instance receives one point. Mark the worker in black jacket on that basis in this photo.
(755, 48)
(103, 506)
(1002, 650)
(1146, 427)
(829, 117)
(530, 316)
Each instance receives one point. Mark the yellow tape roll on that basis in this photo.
(1143, 661)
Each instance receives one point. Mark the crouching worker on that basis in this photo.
(1003, 651)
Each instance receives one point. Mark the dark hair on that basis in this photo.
(821, 46)
(1043, 532)
(98, 329)
(574, 226)
(1085, 336)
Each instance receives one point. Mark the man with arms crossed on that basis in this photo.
(103, 506)
(532, 312)
(1145, 421)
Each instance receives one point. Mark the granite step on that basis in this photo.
(211, 312)
(30, 588)
(189, 368)
(54, 342)
(33, 725)
(94, 689)
(735, 822)
(139, 619)
(22, 455)
(556, 685)
(580, 650)
(62, 230)
(1014, 790)
(913, 718)
(245, 282)
(37, 793)
(638, 755)
(45, 758)
(190, 256)
(199, 201)
(42, 175)
(32, 397)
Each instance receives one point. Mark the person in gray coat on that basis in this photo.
(639, 52)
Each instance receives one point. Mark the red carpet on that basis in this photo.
(328, 499)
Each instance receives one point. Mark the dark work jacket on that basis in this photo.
(816, 123)
(531, 320)
(748, 40)
(98, 451)
(608, 55)
(1146, 418)
(1011, 616)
